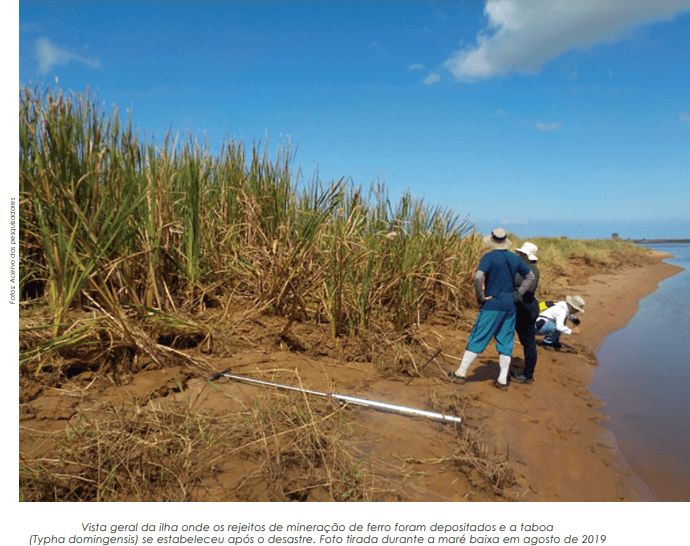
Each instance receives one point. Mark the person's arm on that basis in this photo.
(527, 282)
(561, 316)
(482, 270)
(479, 287)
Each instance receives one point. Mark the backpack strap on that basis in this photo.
(512, 276)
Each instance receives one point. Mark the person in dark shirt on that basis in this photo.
(493, 286)
(526, 313)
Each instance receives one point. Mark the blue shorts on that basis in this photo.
(498, 324)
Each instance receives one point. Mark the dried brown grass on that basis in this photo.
(290, 447)
(164, 452)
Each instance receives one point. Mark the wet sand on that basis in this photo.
(567, 454)
(550, 432)
(613, 299)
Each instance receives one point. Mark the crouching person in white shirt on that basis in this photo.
(551, 322)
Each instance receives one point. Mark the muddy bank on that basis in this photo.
(539, 442)
(559, 446)
(615, 297)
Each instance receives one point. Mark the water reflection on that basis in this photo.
(644, 379)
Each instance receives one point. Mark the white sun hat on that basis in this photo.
(576, 302)
(529, 250)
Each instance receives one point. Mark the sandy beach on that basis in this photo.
(543, 442)
(553, 426)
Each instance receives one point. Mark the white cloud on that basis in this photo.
(547, 126)
(513, 221)
(49, 55)
(684, 118)
(417, 66)
(522, 35)
(432, 78)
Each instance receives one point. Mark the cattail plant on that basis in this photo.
(142, 231)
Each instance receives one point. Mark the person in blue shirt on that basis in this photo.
(493, 286)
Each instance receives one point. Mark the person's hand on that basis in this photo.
(576, 330)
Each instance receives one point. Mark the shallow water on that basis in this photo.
(643, 377)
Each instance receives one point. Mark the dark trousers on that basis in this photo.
(525, 316)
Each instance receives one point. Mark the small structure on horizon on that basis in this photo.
(614, 236)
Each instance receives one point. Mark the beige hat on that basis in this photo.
(498, 239)
(576, 302)
(529, 250)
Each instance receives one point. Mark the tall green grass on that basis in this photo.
(136, 229)
(146, 234)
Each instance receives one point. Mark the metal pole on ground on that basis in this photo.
(382, 406)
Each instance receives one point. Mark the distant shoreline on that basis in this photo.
(658, 241)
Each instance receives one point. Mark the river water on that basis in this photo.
(643, 378)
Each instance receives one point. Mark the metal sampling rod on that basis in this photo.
(383, 406)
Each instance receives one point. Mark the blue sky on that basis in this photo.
(546, 118)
